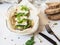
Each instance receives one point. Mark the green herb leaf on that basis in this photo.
(23, 20)
(20, 27)
(24, 8)
(21, 14)
(31, 41)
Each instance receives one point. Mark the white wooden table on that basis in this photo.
(10, 38)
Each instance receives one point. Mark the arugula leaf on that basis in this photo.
(24, 26)
(24, 8)
(31, 41)
(21, 14)
(23, 20)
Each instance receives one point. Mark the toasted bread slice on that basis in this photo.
(54, 17)
(52, 11)
(53, 5)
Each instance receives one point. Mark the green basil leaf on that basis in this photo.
(31, 41)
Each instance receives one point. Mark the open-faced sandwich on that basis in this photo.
(22, 19)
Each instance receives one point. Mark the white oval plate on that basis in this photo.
(33, 16)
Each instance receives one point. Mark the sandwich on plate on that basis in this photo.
(23, 18)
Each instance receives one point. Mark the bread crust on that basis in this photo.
(52, 11)
(53, 5)
(54, 17)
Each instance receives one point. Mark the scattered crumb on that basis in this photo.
(55, 23)
(18, 37)
(5, 38)
(49, 22)
(39, 39)
(11, 39)
(15, 44)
